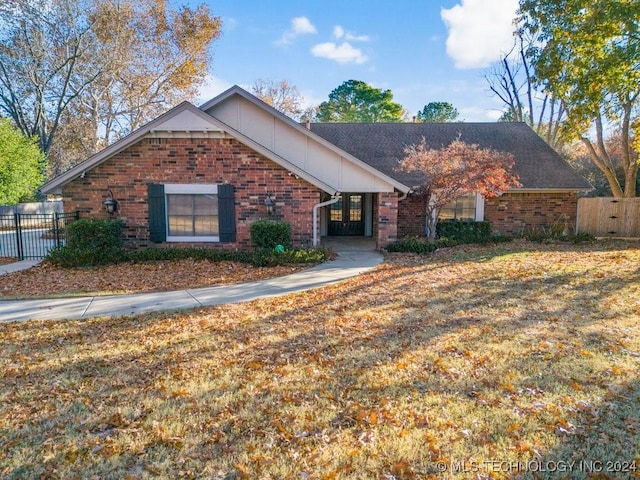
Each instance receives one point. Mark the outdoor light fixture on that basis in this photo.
(111, 204)
(269, 203)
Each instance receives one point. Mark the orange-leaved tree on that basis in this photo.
(456, 170)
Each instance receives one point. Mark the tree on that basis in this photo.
(138, 58)
(355, 101)
(438, 112)
(20, 165)
(456, 170)
(45, 63)
(587, 57)
(280, 95)
(512, 81)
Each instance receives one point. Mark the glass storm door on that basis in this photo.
(345, 216)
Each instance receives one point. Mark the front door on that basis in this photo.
(345, 216)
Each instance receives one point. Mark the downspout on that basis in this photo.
(403, 197)
(336, 196)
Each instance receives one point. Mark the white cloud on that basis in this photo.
(357, 38)
(479, 114)
(229, 24)
(343, 53)
(213, 86)
(479, 31)
(299, 26)
(302, 25)
(339, 32)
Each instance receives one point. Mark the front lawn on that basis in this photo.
(474, 362)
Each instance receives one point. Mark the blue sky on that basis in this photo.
(422, 50)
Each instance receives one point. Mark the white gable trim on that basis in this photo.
(183, 118)
(236, 90)
(55, 185)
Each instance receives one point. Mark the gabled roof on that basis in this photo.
(54, 185)
(381, 145)
(354, 158)
(184, 117)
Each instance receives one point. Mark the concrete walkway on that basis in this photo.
(16, 266)
(352, 259)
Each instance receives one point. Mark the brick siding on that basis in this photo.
(516, 213)
(510, 214)
(385, 210)
(411, 217)
(194, 161)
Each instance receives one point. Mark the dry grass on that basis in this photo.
(460, 360)
(46, 280)
(6, 260)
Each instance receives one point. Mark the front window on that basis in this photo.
(192, 213)
(462, 208)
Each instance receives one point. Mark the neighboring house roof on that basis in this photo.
(381, 145)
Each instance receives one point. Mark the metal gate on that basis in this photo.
(32, 235)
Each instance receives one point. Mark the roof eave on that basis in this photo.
(278, 159)
(236, 90)
(550, 190)
(55, 185)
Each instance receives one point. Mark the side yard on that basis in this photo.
(516, 360)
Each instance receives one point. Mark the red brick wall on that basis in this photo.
(411, 217)
(194, 161)
(517, 213)
(385, 210)
(511, 214)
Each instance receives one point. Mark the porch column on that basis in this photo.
(387, 219)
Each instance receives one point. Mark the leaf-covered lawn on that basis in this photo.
(486, 362)
(5, 260)
(46, 280)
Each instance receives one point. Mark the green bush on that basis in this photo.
(266, 234)
(421, 244)
(550, 235)
(464, 232)
(90, 242)
(180, 253)
(259, 258)
(583, 237)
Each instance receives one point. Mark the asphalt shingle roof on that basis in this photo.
(381, 145)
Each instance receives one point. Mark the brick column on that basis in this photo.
(386, 212)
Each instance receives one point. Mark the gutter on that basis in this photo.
(336, 196)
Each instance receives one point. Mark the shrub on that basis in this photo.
(266, 234)
(260, 258)
(550, 235)
(90, 242)
(180, 253)
(583, 237)
(464, 232)
(421, 244)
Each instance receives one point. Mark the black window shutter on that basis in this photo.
(226, 213)
(157, 213)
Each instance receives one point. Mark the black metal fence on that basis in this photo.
(32, 235)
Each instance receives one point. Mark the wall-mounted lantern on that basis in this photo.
(269, 203)
(111, 204)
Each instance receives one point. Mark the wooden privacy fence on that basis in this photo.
(609, 217)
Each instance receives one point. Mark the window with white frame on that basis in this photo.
(466, 208)
(192, 213)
